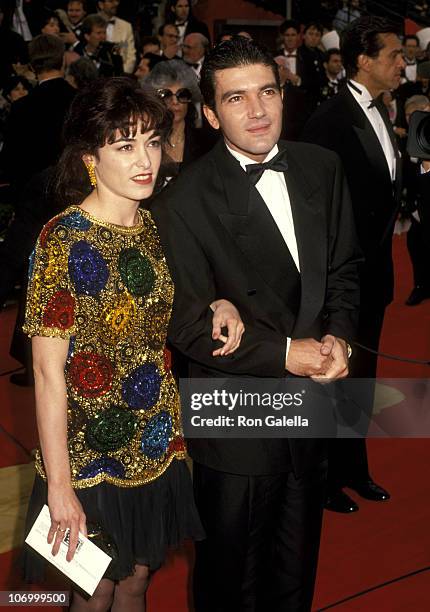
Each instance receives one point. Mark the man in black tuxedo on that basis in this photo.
(312, 60)
(355, 125)
(33, 131)
(179, 12)
(294, 95)
(279, 241)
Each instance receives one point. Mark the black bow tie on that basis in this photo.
(195, 66)
(111, 22)
(373, 103)
(277, 163)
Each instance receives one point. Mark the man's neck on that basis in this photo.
(106, 16)
(49, 75)
(373, 89)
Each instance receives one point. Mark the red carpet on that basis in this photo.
(377, 552)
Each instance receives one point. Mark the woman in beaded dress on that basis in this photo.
(111, 462)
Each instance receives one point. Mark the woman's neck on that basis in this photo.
(121, 212)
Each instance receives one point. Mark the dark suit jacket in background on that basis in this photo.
(341, 126)
(34, 128)
(220, 245)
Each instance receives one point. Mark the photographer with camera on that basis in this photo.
(94, 46)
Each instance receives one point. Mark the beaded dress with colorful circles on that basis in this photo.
(107, 289)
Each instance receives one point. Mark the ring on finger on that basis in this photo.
(62, 530)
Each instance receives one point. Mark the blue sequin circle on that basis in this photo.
(141, 389)
(76, 220)
(156, 435)
(104, 465)
(87, 268)
(31, 263)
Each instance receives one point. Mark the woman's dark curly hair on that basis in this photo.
(96, 115)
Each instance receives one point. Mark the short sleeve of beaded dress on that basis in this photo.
(107, 289)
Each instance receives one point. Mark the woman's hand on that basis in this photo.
(226, 315)
(66, 513)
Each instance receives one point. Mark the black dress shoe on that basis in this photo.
(418, 294)
(339, 501)
(370, 490)
(22, 379)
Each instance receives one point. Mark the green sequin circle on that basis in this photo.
(136, 272)
(111, 430)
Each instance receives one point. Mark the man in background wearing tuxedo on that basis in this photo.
(119, 32)
(278, 239)
(355, 124)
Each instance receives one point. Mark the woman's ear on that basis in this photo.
(88, 159)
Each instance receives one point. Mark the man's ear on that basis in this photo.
(211, 117)
(364, 62)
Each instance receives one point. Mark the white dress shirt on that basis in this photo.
(291, 57)
(273, 189)
(198, 68)
(411, 70)
(374, 116)
(182, 26)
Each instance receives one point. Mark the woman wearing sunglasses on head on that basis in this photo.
(111, 460)
(176, 84)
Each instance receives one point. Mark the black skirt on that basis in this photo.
(139, 524)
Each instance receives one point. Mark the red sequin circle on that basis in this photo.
(90, 374)
(60, 311)
(44, 234)
(177, 445)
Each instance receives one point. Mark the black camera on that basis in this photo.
(419, 135)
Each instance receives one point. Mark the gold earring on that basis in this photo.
(92, 174)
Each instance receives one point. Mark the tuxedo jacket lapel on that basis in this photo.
(310, 228)
(366, 135)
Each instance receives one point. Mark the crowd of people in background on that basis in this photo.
(95, 42)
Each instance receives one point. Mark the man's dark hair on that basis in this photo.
(46, 52)
(313, 24)
(163, 25)
(411, 37)
(170, 14)
(362, 37)
(330, 52)
(83, 2)
(238, 51)
(13, 81)
(46, 16)
(289, 23)
(149, 40)
(92, 21)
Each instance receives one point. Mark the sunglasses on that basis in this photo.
(183, 95)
